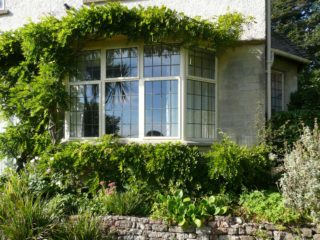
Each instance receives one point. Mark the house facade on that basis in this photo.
(155, 93)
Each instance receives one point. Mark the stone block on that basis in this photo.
(250, 230)
(238, 220)
(279, 235)
(221, 231)
(203, 230)
(269, 227)
(155, 235)
(140, 238)
(123, 224)
(316, 237)
(234, 238)
(233, 230)
(242, 230)
(246, 238)
(181, 236)
(140, 226)
(159, 227)
(223, 237)
(176, 229)
(192, 235)
(203, 237)
(290, 236)
(306, 232)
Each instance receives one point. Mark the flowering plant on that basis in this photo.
(109, 189)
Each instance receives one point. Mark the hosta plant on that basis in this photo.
(177, 209)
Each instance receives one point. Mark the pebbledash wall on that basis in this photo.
(221, 228)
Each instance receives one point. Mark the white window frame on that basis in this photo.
(282, 86)
(200, 79)
(182, 95)
(105, 80)
(3, 5)
(142, 91)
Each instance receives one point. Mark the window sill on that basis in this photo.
(93, 1)
(4, 12)
(203, 143)
(87, 2)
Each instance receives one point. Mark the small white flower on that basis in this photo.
(59, 183)
(272, 156)
(32, 161)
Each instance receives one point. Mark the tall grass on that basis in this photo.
(24, 215)
(83, 227)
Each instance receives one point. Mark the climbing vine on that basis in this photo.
(35, 60)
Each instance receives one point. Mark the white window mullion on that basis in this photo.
(101, 109)
(216, 100)
(67, 115)
(183, 93)
(103, 93)
(141, 94)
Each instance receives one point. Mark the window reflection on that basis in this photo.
(161, 108)
(201, 63)
(122, 62)
(88, 66)
(161, 61)
(121, 108)
(84, 112)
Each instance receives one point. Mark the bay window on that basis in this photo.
(137, 92)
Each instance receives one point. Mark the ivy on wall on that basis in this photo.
(36, 58)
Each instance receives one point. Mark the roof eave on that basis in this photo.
(291, 56)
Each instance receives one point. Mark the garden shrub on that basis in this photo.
(160, 167)
(177, 209)
(79, 167)
(285, 128)
(232, 167)
(264, 206)
(300, 184)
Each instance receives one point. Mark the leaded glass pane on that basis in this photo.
(200, 109)
(201, 63)
(161, 61)
(88, 66)
(122, 102)
(161, 108)
(122, 62)
(276, 92)
(84, 110)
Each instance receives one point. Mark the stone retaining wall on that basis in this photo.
(222, 228)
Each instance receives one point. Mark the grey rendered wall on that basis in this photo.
(290, 70)
(241, 92)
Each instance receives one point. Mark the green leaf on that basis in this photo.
(197, 222)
